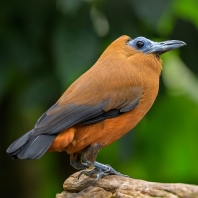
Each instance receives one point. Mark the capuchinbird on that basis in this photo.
(101, 106)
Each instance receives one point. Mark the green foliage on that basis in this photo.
(46, 45)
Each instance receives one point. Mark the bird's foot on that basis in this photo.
(99, 175)
(108, 170)
(101, 170)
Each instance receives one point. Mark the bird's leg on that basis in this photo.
(76, 161)
(89, 157)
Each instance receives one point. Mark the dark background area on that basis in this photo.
(45, 45)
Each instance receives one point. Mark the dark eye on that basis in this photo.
(140, 44)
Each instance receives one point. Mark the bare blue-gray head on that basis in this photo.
(147, 46)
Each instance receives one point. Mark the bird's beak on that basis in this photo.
(162, 47)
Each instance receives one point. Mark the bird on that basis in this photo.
(101, 106)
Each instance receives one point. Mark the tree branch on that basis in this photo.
(113, 186)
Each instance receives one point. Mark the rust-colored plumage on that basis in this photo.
(101, 106)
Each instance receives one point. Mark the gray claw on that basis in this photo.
(100, 175)
(88, 173)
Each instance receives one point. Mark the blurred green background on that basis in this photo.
(45, 45)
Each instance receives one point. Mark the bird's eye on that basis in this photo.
(140, 44)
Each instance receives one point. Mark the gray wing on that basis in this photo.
(70, 115)
(36, 142)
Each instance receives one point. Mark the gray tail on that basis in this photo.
(28, 147)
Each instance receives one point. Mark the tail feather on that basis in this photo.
(17, 145)
(35, 148)
(27, 147)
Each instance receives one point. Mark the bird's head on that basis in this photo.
(147, 46)
(128, 47)
(140, 52)
(148, 52)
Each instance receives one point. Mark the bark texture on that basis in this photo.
(113, 186)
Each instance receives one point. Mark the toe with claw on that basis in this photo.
(101, 170)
